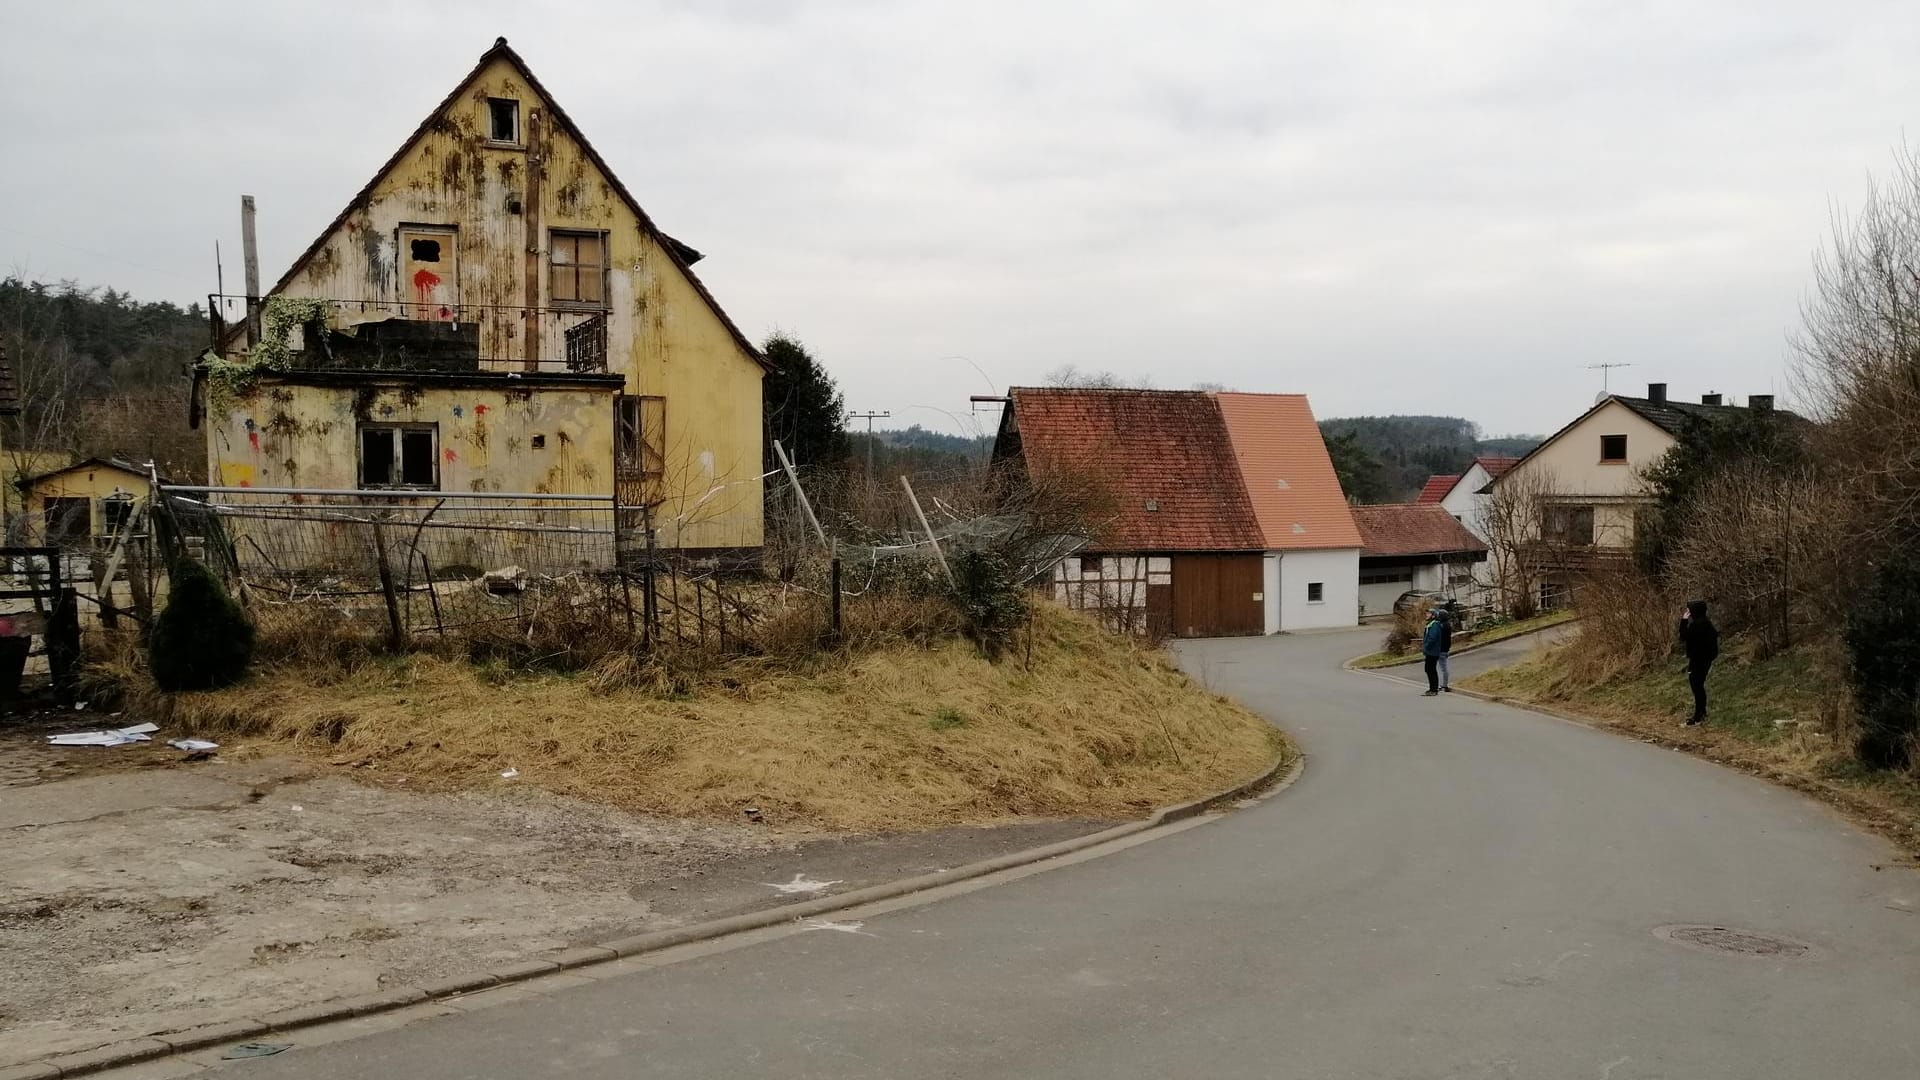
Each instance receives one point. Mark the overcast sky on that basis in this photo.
(1420, 207)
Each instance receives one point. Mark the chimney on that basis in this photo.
(1710, 399)
(1657, 393)
(1760, 402)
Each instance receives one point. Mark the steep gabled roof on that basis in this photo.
(1166, 450)
(1413, 529)
(1288, 475)
(1436, 489)
(1669, 416)
(682, 255)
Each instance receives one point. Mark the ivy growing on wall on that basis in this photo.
(230, 380)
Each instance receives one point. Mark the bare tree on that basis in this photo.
(1526, 540)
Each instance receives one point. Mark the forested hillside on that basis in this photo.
(100, 373)
(1388, 458)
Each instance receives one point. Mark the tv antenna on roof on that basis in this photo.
(1606, 371)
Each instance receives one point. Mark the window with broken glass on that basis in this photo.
(577, 269)
(400, 456)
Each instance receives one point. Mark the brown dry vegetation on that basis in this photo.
(902, 736)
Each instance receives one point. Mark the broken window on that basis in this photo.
(400, 456)
(577, 268)
(116, 513)
(68, 521)
(640, 445)
(424, 250)
(503, 120)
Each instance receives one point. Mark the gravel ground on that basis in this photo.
(144, 893)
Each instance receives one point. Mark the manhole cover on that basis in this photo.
(1726, 940)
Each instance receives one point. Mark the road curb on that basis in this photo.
(1280, 773)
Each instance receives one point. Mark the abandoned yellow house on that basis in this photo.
(494, 312)
(80, 504)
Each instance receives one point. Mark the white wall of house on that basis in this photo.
(1570, 466)
(1467, 507)
(1337, 572)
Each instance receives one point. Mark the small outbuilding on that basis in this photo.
(78, 504)
(1414, 547)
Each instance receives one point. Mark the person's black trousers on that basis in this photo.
(1696, 679)
(1433, 676)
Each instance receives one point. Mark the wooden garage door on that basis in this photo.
(1217, 596)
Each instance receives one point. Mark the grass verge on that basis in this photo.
(1771, 717)
(902, 737)
(1480, 637)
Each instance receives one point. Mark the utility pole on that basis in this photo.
(869, 417)
(250, 252)
(1605, 371)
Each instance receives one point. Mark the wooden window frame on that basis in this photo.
(1562, 524)
(516, 140)
(640, 436)
(1605, 458)
(396, 432)
(554, 236)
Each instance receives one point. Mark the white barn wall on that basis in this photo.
(1338, 571)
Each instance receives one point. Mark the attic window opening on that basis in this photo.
(424, 250)
(1613, 448)
(503, 120)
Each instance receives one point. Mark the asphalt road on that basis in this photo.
(1453, 889)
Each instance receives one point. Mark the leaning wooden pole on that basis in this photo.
(931, 539)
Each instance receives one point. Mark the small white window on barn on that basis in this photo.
(503, 120)
(1316, 592)
(400, 456)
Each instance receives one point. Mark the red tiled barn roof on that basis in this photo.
(1412, 529)
(1436, 489)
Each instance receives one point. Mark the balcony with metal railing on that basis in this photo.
(389, 335)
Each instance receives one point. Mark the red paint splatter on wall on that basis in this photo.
(253, 437)
(424, 282)
(479, 410)
(451, 456)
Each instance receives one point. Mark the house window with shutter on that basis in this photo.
(577, 269)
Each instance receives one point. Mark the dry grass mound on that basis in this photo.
(901, 737)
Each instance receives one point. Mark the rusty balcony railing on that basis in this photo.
(391, 335)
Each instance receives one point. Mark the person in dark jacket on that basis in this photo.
(1701, 639)
(1435, 644)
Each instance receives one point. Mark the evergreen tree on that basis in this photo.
(802, 407)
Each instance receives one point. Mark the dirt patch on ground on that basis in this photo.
(142, 894)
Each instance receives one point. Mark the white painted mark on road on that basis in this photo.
(801, 883)
(838, 927)
(1606, 1071)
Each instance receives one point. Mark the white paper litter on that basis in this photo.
(510, 774)
(193, 746)
(109, 737)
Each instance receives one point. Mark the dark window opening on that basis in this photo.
(67, 520)
(116, 512)
(416, 458)
(399, 455)
(503, 116)
(376, 457)
(425, 250)
(1090, 564)
(539, 442)
(1613, 448)
(1316, 592)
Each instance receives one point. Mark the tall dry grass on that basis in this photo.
(1097, 727)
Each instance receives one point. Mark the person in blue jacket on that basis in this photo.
(1435, 644)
